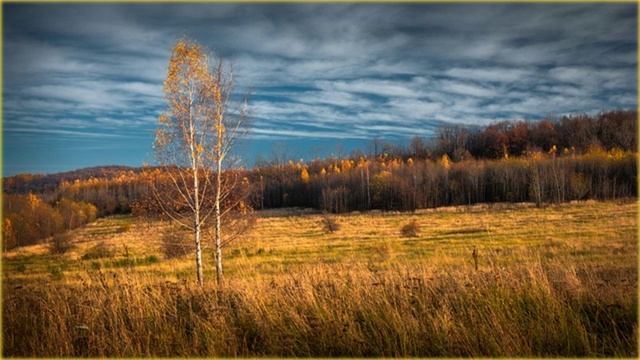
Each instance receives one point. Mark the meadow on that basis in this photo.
(481, 280)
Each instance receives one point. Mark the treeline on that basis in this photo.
(28, 219)
(110, 195)
(571, 158)
(574, 134)
(396, 184)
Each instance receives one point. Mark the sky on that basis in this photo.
(82, 83)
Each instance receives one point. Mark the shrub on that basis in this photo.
(60, 244)
(100, 250)
(329, 224)
(21, 268)
(411, 229)
(176, 245)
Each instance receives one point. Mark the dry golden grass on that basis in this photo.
(556, 281)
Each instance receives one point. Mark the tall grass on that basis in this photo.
(532, 307)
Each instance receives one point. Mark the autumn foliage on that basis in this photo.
(396, 184)
(28, 219)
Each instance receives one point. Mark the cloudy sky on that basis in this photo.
(83, 83)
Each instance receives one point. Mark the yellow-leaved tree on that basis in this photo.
(198, 185)
(304, 175)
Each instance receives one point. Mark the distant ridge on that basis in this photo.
(44, 183)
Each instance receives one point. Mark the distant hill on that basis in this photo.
(46, 183)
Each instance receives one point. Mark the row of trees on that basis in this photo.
(396, 184)
(110, 195)
(577, 133)
(386, 182)
(28, 219)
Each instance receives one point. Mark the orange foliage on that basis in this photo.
(445, 162)
(304, 175)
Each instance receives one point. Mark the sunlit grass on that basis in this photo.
(584, 232)
(558, 280)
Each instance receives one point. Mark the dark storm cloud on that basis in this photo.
(320, 71)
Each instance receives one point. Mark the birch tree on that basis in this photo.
(193, 140)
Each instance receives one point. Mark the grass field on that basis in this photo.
(554, 281)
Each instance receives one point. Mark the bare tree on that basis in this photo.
(193, 142)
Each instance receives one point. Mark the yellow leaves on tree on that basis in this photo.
(346, 164)
(445, 161)
(8, 234)
(384, 175)
(395, 163)
(33, 201)
(187, 57)
(164, 119)
(617, 153)
(193, 140)
(196, 98)
(535, 155)
(304, 175)
(569, 151)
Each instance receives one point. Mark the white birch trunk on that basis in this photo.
(218, 234)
